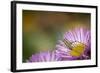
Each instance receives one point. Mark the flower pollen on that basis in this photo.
(78, 49)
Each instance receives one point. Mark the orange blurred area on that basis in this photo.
(35, 20)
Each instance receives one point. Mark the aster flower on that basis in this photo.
(44, 57)
(75, 45)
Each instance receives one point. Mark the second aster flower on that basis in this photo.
(44, 57)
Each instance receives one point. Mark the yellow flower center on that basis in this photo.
(78, 49)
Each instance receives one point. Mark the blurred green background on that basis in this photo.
(42, 29)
